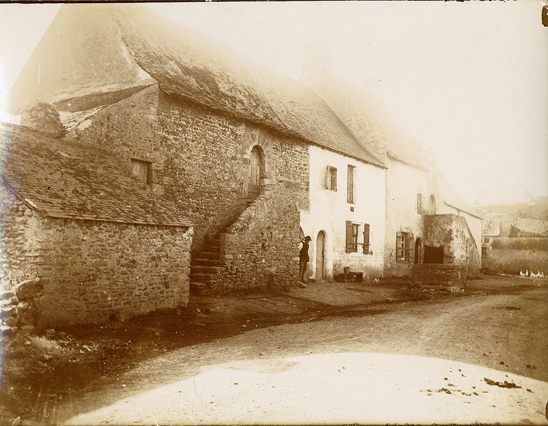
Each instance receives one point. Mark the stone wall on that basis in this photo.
(83, 271)
(260, 249)
(453, 234)
(442, 275)
(19, 245)
(197, 156)
(201, 162)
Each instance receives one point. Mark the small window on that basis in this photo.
(351, 174)
(405, 247)
(352, 230)
(419, 203)
(143, 170)
(484, 251)
(331, 181)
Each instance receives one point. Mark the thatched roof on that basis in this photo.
(140, 47)
(64, 179)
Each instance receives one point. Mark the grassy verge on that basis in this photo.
(509, 261)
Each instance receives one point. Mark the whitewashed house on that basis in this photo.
(346, 219)
(426, 221)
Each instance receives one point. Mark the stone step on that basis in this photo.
(212, 242)
(206, 262)
(206, 269)
(200, 278)
(207, 255)
(199, 289)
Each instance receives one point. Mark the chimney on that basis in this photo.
(43, 117)
(316, 63)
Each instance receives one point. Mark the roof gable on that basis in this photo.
(61, 178)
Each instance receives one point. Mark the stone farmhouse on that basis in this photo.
(252, 159)
(83, 240)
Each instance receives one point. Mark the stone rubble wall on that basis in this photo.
(260, 250)
(452, 233)
(65, 271)
(201, 161)
(442, 275)
(195, 154)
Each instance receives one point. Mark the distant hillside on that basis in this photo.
(537, 210)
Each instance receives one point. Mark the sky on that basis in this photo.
(469, 80)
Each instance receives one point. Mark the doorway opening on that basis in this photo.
(256, 172)
(320, 256)
(419, 251)
(433, 254)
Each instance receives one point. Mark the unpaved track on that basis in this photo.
(503, 332)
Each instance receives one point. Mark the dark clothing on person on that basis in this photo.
(304, 252)
(303, 256)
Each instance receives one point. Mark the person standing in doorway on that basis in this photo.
(303, 256)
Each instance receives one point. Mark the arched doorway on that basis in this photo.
(432, 205)
(320, 256)
(256, 171)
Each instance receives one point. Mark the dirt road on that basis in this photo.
(481, 357)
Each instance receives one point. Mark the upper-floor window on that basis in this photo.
(350, 186)
(331, 181)
(419, 203)
(143, 170)
(432, 205)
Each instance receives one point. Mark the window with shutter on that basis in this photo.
(352, 230)
(349, 237)
(331, 179)
(365, 238)
(399, 247)
(405, 248)
(143, 170)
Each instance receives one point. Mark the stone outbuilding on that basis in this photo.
(83, 239)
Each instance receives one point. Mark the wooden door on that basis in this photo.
(320, 256)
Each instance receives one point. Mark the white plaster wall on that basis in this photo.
(330, 210)
(474, 223)
(403, 182)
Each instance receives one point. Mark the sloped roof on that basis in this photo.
(505, 188)
(368, 119)
(452, 198)
(81, 57)
(185, 64)
(65, 179)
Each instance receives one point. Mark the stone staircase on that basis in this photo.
(206, 264)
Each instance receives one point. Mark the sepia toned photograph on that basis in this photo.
(274, 213)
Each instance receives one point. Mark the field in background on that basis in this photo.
(511, 261)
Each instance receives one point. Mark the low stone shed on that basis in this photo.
(83, 239)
